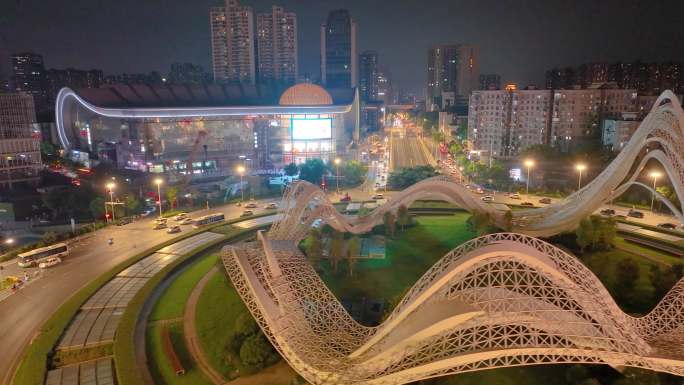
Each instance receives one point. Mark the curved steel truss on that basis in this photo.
(660, 137)
(497, 301)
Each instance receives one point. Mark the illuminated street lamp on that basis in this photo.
(529, 163)
(337, 178)
(110, 188)
(9, 241)
(241, 171)
(655, 175)
(580, 167)
(158, 182)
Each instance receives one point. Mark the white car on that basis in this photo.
(251, 205)
(186, 221)
(50, 262)
(180, 216)
(173, 229)
(488, 198)
(271, 206)
(515, 196)
(159, 226)
(378, 196)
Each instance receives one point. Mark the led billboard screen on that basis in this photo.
(306, 129)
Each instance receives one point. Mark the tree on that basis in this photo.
(585, 234)
(406, 177)
(96, 208)
(455, 149)
(353, 249)
(291, 169)
(171, 194)
(390, 223)
(403, 217)
(480, 223)
(133, 205)
(312, 170)
(256, 351)
(662, 281)
(336, 249)
(314, 248)
(353, 172)
(626, 276)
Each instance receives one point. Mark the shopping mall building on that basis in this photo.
(206, 128)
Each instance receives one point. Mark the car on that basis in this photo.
(159, 226)
(247, 213)
(186, 221)
(527, 204)
(545, 201)
(515, 196)
(608, 212)
(377, 196)
(173, 229)
(238, 204)
(346, 198)
(50, 262)
(180, 216)
(469, 187)
(480, 190)
(668, 226)
(251, 205)
(488, 198)
(271, 206)
(124, 221)
(160, 220)
(635, 214)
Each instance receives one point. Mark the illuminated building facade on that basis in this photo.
(277, 46)
(19, 143)
(206, 129)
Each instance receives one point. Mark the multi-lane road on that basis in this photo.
(22, 313)
(408, 151)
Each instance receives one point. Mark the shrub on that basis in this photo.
(257, 352)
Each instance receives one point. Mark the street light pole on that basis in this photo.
(529, 164)
(241, 171)
(337, 177)
(580, 167)
(655, 175)
(110, 187)
(158, 181)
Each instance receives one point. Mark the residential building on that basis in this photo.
(505, 122)
(277, 46)
(29, 77)
(232, 43)
(385, 91)
(338, 51)
(617, 132)
(451, 68)
(490, 82)
(19, 145)
(188, 73)
(368, 76)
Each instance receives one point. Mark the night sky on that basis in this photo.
(518, 39)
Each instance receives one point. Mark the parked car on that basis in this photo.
(515, 196)
(545, 201)
(186, 221)
(635, 214)
(488, 198)
(251, 205)
(247, 213)
(608, 212)
(668, 226)
(174, 229)
(159, 226)
(50, 262)
(527, 204)
(378, 196)
(271, 206)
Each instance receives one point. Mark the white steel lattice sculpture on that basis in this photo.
(497, 301)
(501, 300)
(660, 137)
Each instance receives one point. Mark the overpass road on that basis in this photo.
(23, 313)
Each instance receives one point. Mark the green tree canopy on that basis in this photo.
(256, 351)
(291, 169)
(353, 172)
(406, 177)
(312, 170)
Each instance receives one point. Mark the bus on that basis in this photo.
(207, 219)
(36, 256)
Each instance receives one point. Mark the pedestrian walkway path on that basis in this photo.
(97, 372)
